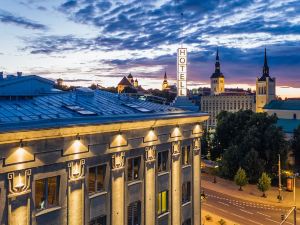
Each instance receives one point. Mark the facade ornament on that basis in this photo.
(118, 161)
(176, 148)
(76, 170)
(150, 155)
(19, 183)
(196, 145)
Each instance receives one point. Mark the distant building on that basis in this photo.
(165, 84)
(19, 86)
(94, 157)
(265, 87)
(217, 79)
(128, 84)
(219, 99)
(287, 112)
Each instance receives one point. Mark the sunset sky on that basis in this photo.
(90, 41)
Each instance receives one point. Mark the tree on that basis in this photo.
(253, 165)
(295, 144)
(240, 178)
(229, 163)
(264, 184)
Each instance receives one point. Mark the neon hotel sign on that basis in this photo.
(181, 71)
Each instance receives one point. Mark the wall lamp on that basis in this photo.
(21, 145)
(77, 137)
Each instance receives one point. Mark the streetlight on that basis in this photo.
(279, 197)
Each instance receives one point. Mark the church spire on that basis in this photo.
(266, 67)
(165, 76)
(217, 64)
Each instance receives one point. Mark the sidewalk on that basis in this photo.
(214, 220)
(250, 192)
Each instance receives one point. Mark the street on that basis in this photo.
(243, 212)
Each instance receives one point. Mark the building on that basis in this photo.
(217, 79)
(165, 84)
(128, 83)
(265, 87)
(19, 86)
(287, 112)
(221, 99)
(94, 157)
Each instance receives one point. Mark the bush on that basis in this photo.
(222, 222)
(208, 217)
(240, 178)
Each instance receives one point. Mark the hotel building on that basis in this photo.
(93, 157)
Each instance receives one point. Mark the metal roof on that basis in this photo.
(288, 125)
(289, 104)
(71, 108)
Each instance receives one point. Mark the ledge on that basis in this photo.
(45, 211)
(163, 173)
(130, 183)
(186, 166)
(186, 203)
(163, 215)
(97, 194)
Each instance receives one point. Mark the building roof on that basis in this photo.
(217, 73)
(79, 107)
(288, 125)
(266, 73)
(290, 104)
(19, 79)
(130, 76)
(125, 81)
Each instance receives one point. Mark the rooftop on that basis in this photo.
(289, 104)
(82, 106)
(288, 125)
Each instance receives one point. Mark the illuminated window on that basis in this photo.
(187, 222)
(46, 192)
(162, 202)
(134, 213)
(133, 168)
(186, 192)
(100, 220)
(185, 155)
(162, 161)
(97, 179)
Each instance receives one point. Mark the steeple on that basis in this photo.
(165, 76)
(217, 65)
(266, 67)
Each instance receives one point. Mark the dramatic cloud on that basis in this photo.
(6, 17)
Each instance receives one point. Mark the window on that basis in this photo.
(134, 213)
(134, 168)
(295, 116)
(97, 179)
(47, 192)
(186, 192)
(185, 155)
(100, 220)
(162, 201)
(187, 222)
(162, 160)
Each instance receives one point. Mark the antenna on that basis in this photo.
(181, 29)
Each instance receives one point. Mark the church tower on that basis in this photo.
(265, 87)
(165, 85)
(217, 79)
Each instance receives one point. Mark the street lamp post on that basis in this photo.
(279, 180)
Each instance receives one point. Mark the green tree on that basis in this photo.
(264, 183)
(205, 142)
(295, 144)
(253, 165)
(240, 178)
(230, 162)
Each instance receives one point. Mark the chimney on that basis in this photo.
(19, 74)
(1, 75)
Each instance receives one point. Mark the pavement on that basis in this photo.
(245, 207)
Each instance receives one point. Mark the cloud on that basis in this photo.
(8, 18)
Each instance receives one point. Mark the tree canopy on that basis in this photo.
(295, 144)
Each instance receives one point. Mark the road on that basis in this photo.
(243, 212)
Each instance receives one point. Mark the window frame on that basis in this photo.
(98, 217)
(160, 202)
(96, 191)
(45, 193)
(139, 212)
(186, 196)
(186, 148)
(162, 155)
(132, 159)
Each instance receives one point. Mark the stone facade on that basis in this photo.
(120, 173)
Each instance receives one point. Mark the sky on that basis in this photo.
(100, 41)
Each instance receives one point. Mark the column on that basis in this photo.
(19, 190)
(196, 182)
(176, 184)
(150, 197)
(117, 189)
(76, 192)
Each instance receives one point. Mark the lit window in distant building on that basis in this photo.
(100, 220)
(185, 155)
(186, 192)
(162, 201)
(133, 172)
(134, 213)
(162, 161)
(47, 192)
(187, 222)
(97, 178)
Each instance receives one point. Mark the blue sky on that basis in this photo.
(100, 41)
